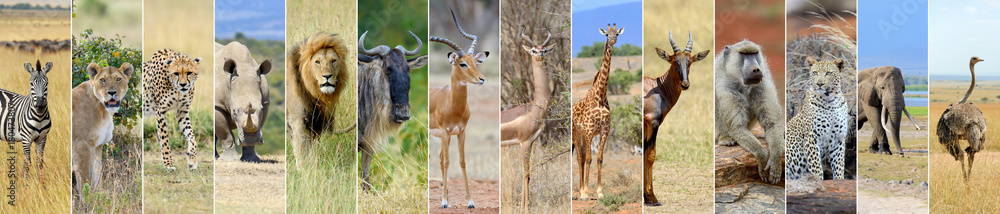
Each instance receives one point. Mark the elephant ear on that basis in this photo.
(868, 92)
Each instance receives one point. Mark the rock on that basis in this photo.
(908, 181)
(923, 184)
(758, 198)
(840, 197)
(894, 182)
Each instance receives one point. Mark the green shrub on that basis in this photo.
(621, 80)
(597, 50)
(625, 116)
(88, 48)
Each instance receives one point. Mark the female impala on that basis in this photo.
(449, 110)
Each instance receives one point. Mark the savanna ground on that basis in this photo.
(761, 22)
(682, 172)
(121, 174)
(950, 193)
(880, 177)
(399, 167)
(48, 189)
(549, 186)
(181, 26)
(333, 156)
(621, 180)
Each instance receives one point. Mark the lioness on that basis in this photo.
(94, 103)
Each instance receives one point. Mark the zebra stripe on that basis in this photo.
(20, 120)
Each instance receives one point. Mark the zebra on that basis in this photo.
(26, 118)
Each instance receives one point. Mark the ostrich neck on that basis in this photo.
(972, 69)
(541, 81)
(600, 88)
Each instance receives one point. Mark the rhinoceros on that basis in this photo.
(241, 100)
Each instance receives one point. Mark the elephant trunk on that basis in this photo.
(891, 117)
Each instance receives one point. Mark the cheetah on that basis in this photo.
(818, 132)
(169, 85)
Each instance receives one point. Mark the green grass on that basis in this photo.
(917, 111)
(892, 167)
(922, 87)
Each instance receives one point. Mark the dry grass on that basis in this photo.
(258, 187)
(181, 26)
(50, 190)
(684, 141)
(309, 188)
(121, 179)
(23, 25)
(549, 188)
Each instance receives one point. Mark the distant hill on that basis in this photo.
(964, 77)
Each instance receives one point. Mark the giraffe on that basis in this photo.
(592, 116)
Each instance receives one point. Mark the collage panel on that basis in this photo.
(177, 112)
(392, 104)
(321, 106)
(464, 96)
(606, 74)
(821, 100)
(535, 107)
(107, 106)
(677, 106)
(35, 57)
(892, 107)
(963, 153)
(250, 106)
(749, 106)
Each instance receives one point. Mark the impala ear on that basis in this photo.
(452, 56)
(481, 56)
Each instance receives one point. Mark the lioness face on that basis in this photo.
(110, 84)
(183, 73)
(324, 68)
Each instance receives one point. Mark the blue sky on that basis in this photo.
(960, 30)
(893, 33)
(590, 15)
(256, 19)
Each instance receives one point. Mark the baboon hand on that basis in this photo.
(762, 166)
(774, 169)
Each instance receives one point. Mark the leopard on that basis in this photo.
(169, 78)
(818, 133)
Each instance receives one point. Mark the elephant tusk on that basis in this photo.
(911, 118)
(885, 123)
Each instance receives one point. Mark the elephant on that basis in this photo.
(880, 97)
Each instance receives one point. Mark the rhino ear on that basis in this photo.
(229, 67)
(265, 67)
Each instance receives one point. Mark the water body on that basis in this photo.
(916, 101)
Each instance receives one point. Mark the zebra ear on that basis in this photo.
(28, 67)
(48, 67)
(92, 69)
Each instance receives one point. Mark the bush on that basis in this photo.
(109, 52)
(597, 50)
(621, 80)
(627, 122)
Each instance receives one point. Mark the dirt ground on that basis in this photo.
(875, 171)
(622, 183)
(876, 196)
(484, 192)
(257, 187)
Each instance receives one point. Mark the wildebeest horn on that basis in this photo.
(380, 50)
(414, 52)
(458, 50)
(474, 38)
(672, 43)
(527, 38)
(690, 42)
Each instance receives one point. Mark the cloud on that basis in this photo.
(970, 9)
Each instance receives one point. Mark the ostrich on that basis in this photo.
(963, 121)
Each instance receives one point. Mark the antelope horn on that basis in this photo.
(527, 38)
(549, 35)
(380, 50)
(672, 43)
(474, 38)
(451, 44)
(414, 52)
(690, 42)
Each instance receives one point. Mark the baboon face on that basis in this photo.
(752, 74)
(825, 75)
(681, 63)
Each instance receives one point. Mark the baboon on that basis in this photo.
(744, 96)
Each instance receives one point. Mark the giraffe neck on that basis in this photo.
(600, 89)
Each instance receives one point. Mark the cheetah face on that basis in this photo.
(825, 75)
(110, 84)
(182, 73)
